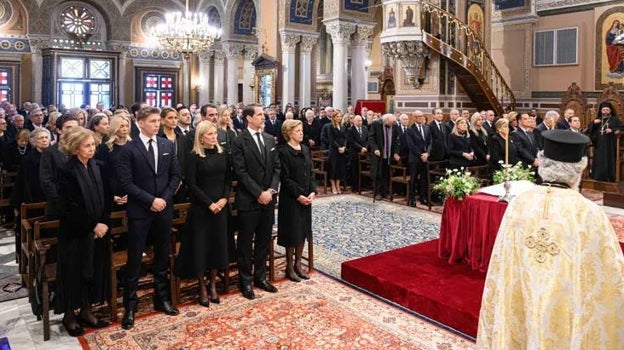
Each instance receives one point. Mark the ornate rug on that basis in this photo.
(352, 226)
(317, 314)
(11, 288)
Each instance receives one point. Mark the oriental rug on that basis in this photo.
(10, 280)
(320, 313)
(350, 226)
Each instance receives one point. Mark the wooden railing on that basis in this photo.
(457, 41)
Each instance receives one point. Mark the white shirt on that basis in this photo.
(255, 138)
(145, 141)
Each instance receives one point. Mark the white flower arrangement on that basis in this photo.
(457, 183)
(516, 172)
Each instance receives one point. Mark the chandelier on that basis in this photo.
(187, 33)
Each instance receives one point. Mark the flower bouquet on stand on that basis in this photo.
(516, 172)
(457, 184)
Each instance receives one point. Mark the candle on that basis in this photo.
(507, 150)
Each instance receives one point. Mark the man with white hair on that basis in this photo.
(550, 123)
(555, 281)
(564, 123)
(383, 141)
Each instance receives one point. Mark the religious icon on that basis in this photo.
(391, 19)
(614, 40)
(475, 19)
(408, 21)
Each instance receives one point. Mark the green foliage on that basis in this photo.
(516, 172)
(457, 183)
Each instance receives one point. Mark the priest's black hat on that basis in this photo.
(564, 145)
(606, 104)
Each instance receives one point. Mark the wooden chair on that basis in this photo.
(7, 182)
(435, 170)
(45, 270)
(180, 214)
(399, 174)
(118, 229)
(482, 173)
(364, 170)
(319, 160)
(29, 213)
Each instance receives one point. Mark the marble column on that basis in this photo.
(305, 69)
(204, 77)
(359, 55)
(186, 79)
(36, 71)
(251, 52)
(219, 60)
(289, 49)
(341, 34)
(232, 52)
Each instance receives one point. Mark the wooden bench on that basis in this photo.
(45, 271)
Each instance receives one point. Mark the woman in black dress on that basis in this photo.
(337, 152)
(496, 146)
(169, 120)
(461, 153)
(225, 124)
(294, 219)
(108, 155)
(14, 152)
(478, 139)
(204, 241)
(82, 223)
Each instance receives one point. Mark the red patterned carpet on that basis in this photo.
(417, 279)
(317, 314)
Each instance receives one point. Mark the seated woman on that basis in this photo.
(82, 222)
(459, 148)
(479, 139)
(496, 147)
(294, 219)
(205, 239)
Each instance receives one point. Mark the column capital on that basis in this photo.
(219, 57)
(251, 52)
(36, 45)
(289, 40)
(308, 42)
(340, 31)
(233, 50)
(362, 34)
(204, 56)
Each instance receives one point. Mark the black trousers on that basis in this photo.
(419, 181)
(252, 224)
(382, 177)
(157, 231)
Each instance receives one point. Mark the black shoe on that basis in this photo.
(411, 203)
(74, 332)
(247, 292)
(293, 277)
(167, 308)
(89, 324)
(204, 303)
(266, 286)
(424, 202)
(302, 275)
(216, 300)
(128, 320)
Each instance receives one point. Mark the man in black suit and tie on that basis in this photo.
(419, 145)
(403, 127)
(149, 173)
(272, 125)
(256, 164)
(438, 137)
(488, 122)
(357, 142)
(525, 143)
(240, 123)
(453, 116)
(383, 140)
(185, 117)
(564, 123)
(551, 119)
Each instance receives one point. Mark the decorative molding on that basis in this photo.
(331, 9)
(307, 43)
(232, 50)
(362, 35)
(204, 56)
(545, 5)
(412, 55)
(289, 40)
(219, 57)
(340, 31)
(251, 52)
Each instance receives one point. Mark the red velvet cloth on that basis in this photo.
(468, 229)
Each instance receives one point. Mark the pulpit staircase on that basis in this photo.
(467, 57)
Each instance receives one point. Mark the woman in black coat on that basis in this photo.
(337, 152)
(479, 139)
(169, 130)
(294, 219)
(15, 151)
(496, 146)
(82, 244)
(205, 238)
(459, 148)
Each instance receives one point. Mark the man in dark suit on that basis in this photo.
(564, 123)
(403, 127)
(438, 137)
(185, 124)
(383, 141)
(535, 115)
(240, 123)
(256, 164)
(488, 122)
(51, 163)
(551, 119)
(149, 173)
(450, 124)
(525, 143)
(134, 127)
(419, 145)
(357, 143)
(272, 125)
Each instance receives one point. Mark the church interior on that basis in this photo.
(384, 273)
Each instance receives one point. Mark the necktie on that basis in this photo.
(529, 137)
(359, 130)
(185, 132)
(151, 155)
(260, 144)
(438, 124)
(420, 130)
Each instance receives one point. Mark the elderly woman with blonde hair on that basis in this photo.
(82, 245)
(205, 240)
(294, 219)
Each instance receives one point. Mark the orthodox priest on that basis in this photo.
(604, 131)
(556, 281)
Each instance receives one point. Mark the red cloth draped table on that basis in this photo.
(468, 229)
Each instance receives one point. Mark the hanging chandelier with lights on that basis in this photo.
(186, 33)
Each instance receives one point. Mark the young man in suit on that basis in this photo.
(383, 140)
(419, 145)
(438, 137)
(150, 174)
(525, 143)
(357, 143)
(256, 164)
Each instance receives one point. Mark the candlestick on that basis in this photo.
(507, 149)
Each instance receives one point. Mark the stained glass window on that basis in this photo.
(78, 20)
(99, 93)
(159, 89)
(72, 94)
(5, 84)
(100, 69)
(72, 67)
